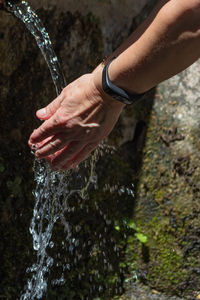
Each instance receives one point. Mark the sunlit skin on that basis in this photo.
(83, 115)
(76, 127)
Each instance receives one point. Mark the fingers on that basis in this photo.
(66, 154)
(48, 128)
(52, 145)
(83, 154)
(79, 157)
(35, 147)
(48, 111)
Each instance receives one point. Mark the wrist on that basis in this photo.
(124, 73)
(115, 91)
(97, 79)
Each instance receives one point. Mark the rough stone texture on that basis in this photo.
(115, 17)
(138, 291)
(165, 172)
(168, 190)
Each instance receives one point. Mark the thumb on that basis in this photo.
(48, 111)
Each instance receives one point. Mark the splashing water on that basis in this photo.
(54, 190)
(50, 186)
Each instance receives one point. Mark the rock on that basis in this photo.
(157, 150)
(168, 186)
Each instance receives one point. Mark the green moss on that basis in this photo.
(168, 265)
(166, 268)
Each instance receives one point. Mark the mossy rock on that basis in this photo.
(168, 189)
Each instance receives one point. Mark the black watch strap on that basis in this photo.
(115, 91)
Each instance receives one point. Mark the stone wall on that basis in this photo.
(158, 152)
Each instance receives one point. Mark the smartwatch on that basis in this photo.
(116, 92)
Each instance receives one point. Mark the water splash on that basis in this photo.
(53, 192)
(53, 189)
(28, 16)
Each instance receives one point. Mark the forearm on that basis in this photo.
(138, 32)
(169, 43)
(83, 115)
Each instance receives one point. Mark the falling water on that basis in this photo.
(28, 16)
(50, 186)
(54, 190)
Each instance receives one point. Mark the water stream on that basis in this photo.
(28, 16)
(54, 190)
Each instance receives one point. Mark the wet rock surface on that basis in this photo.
(168, 189)
(158, 151)
(138, 291)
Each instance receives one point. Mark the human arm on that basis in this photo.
(77, 121)
(169, 45)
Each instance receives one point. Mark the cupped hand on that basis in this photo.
(75, 123)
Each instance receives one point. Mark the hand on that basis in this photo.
(75, 123)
